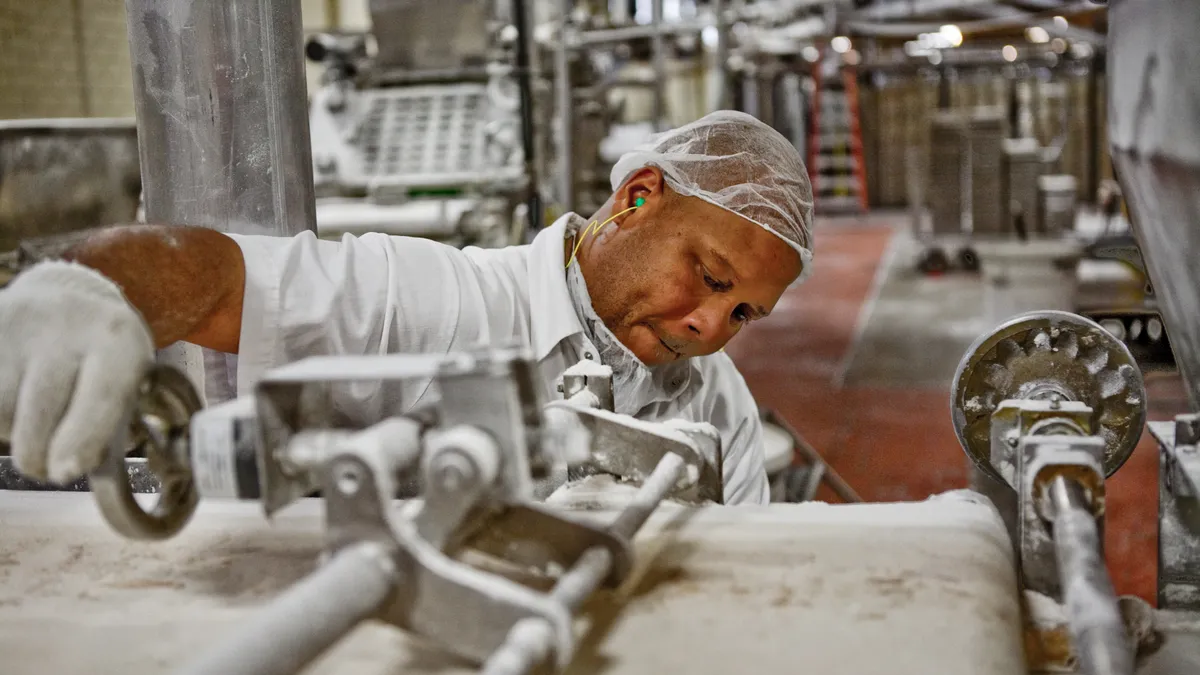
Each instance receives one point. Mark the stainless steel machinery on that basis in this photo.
(434, 135)
(1047, 406)
(476, 452)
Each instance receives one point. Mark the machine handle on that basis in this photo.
(158, 423)
(308, 618)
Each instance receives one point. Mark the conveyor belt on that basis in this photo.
(901, 589)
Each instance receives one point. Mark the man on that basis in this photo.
(707, 226)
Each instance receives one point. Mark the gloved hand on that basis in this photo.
(72, 354)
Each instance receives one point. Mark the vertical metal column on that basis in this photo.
(523, 21)
(721, 98)
(658, 46)
(222, 117)
(565, 112)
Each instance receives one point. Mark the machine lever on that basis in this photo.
(1092, 612)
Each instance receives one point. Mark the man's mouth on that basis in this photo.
(666, 346)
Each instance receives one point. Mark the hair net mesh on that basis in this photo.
(736, 162)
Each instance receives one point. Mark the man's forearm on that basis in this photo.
(187, 282)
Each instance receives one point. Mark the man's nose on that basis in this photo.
(710, 324)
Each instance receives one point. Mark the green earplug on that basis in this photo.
(640, 201)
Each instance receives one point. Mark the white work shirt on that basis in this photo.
(377, 294)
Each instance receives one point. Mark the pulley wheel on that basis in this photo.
(1042, 355)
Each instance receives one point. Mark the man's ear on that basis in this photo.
(646, 184)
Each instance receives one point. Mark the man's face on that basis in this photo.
(679, 277)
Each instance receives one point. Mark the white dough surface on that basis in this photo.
(897, 589)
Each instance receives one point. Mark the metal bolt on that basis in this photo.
(454, 471)
(560, 389)
(587, 355)
(348, 477)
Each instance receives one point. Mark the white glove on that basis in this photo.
(72, 354)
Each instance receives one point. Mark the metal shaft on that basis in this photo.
(658, 47)
(565, 112)
(522, 22)
(1092, 612)
(222, 126)
(530, 640)
(308, 618)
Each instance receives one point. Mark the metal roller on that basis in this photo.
(1044, 354)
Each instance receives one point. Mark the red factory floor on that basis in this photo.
(898, 444)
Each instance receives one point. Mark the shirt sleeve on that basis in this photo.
(730, 407)
(372, 294)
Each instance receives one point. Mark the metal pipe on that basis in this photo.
(308, 618)
(525, 91)
(1092, 612)
(721, 97)
(529, 641)
(658, 46)
(605, 36)
(222, 120)
(566, 117)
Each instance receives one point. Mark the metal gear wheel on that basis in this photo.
(1041, 355)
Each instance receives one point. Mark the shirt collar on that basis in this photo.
(552, 316)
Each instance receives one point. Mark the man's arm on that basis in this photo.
(187, 282)
(728, 405)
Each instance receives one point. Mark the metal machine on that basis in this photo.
(1047, 406)
(434, 135)
(476, 454)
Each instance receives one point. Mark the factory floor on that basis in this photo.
(860, 359)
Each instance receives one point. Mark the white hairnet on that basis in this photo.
(736, 162)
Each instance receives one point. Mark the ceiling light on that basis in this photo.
(1060, 22)
(952, 34)
(1037, 35)
(840, 44)
(1009, 53)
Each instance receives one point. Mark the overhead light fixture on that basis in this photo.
(952, 34)
(852, 58)
(935, 57)
(810, 54)
(840, 44)
(1037, 35)
(1060, 22)
(1009, 53)
(1059, 45)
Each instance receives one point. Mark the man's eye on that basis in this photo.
(715, 284)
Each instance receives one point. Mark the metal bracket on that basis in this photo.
(1014, 420)
(1178, 512)
(1043, 459)
(630, 448)
(465, 610)
(493, 389)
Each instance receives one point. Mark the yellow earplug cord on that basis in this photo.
(594, 228)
